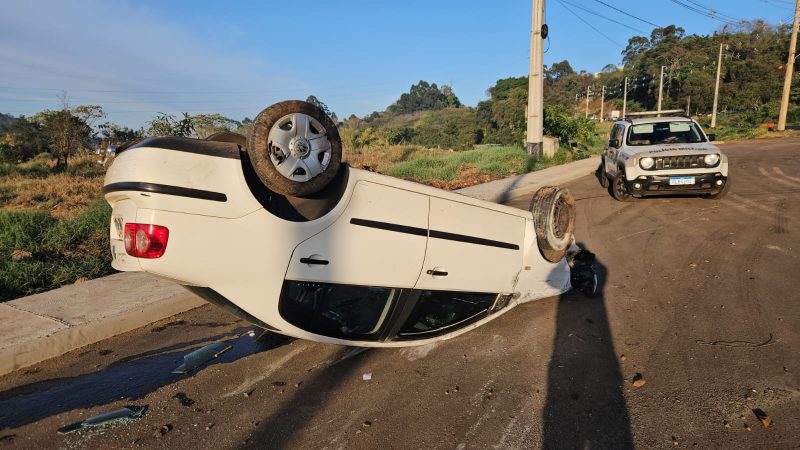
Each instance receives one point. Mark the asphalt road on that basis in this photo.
(701, 298)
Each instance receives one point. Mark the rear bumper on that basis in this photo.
(706, 183)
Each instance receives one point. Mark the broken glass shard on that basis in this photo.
(126, 414)
(200, 356)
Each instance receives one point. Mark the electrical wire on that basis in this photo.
(605, 17)
(715, 11)
(628, 14)
(590, 25)
(707, 13)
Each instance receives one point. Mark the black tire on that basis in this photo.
(618, 188)
(601, 175)
(553, 209)
(263, 153)
(722, 192)
(229, 136)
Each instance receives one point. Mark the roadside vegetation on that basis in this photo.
(53, 225)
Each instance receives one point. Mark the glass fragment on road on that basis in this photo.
(200, 356)
(121, 415)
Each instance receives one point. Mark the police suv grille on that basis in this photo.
(679, 162)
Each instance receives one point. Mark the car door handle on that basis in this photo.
(437, 273)
(313, 261)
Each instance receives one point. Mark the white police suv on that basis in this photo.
(667, 155)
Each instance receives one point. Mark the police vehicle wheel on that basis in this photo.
(553, 209)
(618, 188)
(722, 192)
(601, 175)
(295, 148)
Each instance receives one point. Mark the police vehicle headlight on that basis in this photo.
(711, 160)
(646, 162)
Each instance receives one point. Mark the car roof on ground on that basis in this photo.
(638, 120)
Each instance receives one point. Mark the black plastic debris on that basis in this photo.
(201, 356)
(127, 414)
(582, 274)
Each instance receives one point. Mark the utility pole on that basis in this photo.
(660, 88)
(716, 89)
(586, 115)
(535, 129)
(576, 104)
(688, 105)
(787, 81)
(625, 98)
(602, 100)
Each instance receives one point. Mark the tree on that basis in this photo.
(21, 140)
(318, 103)
(164, 124)
(423, 97)
(113, 134)
(67, 129)
(207, 124)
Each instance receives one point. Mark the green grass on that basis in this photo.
(497, 161)
(56, 251)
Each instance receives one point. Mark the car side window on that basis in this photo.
(438, 312)
(336, 310)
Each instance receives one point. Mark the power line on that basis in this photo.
(605, 17)
(628, 14)
(714, 11)
(589, 24)
(707, 13)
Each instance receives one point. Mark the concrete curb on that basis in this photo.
(500, 191)
(46, 325)
(42, 326)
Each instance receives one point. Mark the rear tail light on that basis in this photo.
(145, 241)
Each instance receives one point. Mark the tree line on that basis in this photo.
(754, 55)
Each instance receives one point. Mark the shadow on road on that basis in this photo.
(294, 416)
(132, 378)
(585, 407)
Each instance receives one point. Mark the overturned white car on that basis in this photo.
(276, 230)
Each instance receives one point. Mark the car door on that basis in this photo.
(611, 153)
(471, 249)
(379, 240)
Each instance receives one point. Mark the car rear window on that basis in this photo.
(441, 311)
(665, 133)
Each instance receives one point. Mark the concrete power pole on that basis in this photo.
(586, 114)
(535, 130)
(660, 88)
(716, 89)
(787, 81)
(602, 100)
(625, 98)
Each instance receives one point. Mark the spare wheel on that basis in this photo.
(295, 148)
(553, 209)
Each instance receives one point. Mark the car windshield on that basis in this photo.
(665, 133)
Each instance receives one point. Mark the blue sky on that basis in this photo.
(136, 58)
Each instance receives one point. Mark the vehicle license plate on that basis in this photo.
(680, 181)
(118, 225)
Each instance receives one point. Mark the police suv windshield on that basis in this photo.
(665, 133)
